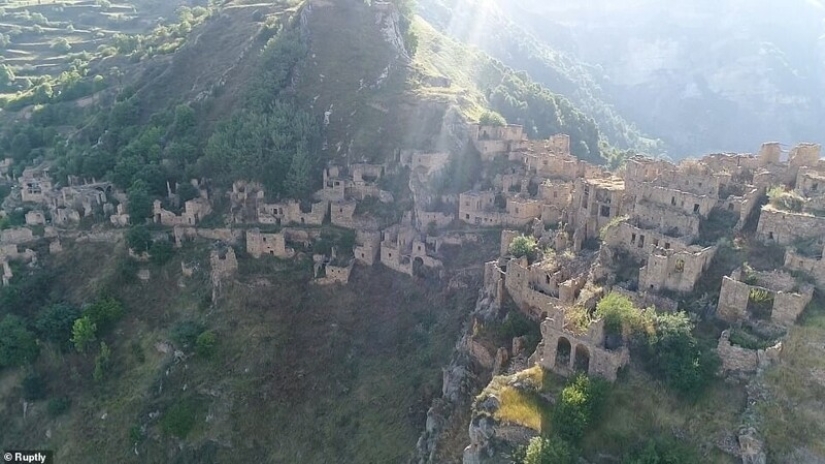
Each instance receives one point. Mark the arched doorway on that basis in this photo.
(581, 362)
(563, 349)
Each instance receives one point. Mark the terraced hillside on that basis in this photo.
(41, 40)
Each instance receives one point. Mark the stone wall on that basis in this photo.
(815, 267)
(336, 274)
(684, 202)
(784, 228)
(507, 237)
(440, 220)
(258, 244)
(586, 351)
(224, 265)
(737, 359)
(640, 243)
(368, 247)
(648, 215)
(292, 213)
(787, 305)
(17, 235)
(674, 270)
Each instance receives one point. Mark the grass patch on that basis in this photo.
(527, 409)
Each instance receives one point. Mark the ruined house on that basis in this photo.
(769, 296)
(367, 247)
(567, 350)
(491, 141)
(259, 244)
(193, 212)
(293, 212)
(224, 264)
(673, 270)
(404, 251)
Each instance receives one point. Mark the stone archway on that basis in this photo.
(563, 351)
(581, 362)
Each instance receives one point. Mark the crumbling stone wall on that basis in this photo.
(224, 264)
(784, 227)
(685, 202)
(258, 244)
(336, 274)
(813, 266)
(674, 270)
(17, 236)
(586, 350)
(35, 218)
(672, 223)
(438, 219)
(788, 301)
(368, 247)
(507, 237)
(737, 359)
(640, 243)
(291, 213)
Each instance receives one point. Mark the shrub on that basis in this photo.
(579, 405)
(55, 322)
(660, 451)
(84, 331)
(491, 118)
(180, 418)
(186, 333)
(61, 45)
(161, 252)
(139, 238)
(523, 246)
(104, 312)
(205, 344)
(674, 355)
(622, 317)
(18, 345)
(549, 451)
(58, 406)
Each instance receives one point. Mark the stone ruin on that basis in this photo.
(771, 296)
(566, 350)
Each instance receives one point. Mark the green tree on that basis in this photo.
(55, 322)
(104, 312)
(550, 451)
(84, 332)
(491, 118)
(139, 239)
(161, 252)
(206, 343)
(299, 178)
(579, 406)
(18, 345)
(140, 203)
(522, 246)
(187, 191)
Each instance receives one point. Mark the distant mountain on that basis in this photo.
(485, 26)
(702, 75)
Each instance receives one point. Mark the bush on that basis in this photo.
(139, 238)
(58, 406)
(523, 246)
(18, 345)
(161, 252)
(61, 45)
(186, 333)
(622, 317)
(674, 355)
(104, 312)
(491, 118)
(660, 451)
(84, 331)
(579, 405)
(206, 343)
(180, 418)
(55, 323)
(549, 451)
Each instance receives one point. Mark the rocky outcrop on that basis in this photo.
(460, 384)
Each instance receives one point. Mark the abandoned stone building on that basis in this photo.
(259, 244)
(224, 264)
(809, 263)
(737, 359)
(293, 212)
(353, 182)
(673, 270)
(567, 350)
(404, 251)
(481, 208)
(367, 247)
(491, 141)
(774, 296)
(596, 202)
(193, 212)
